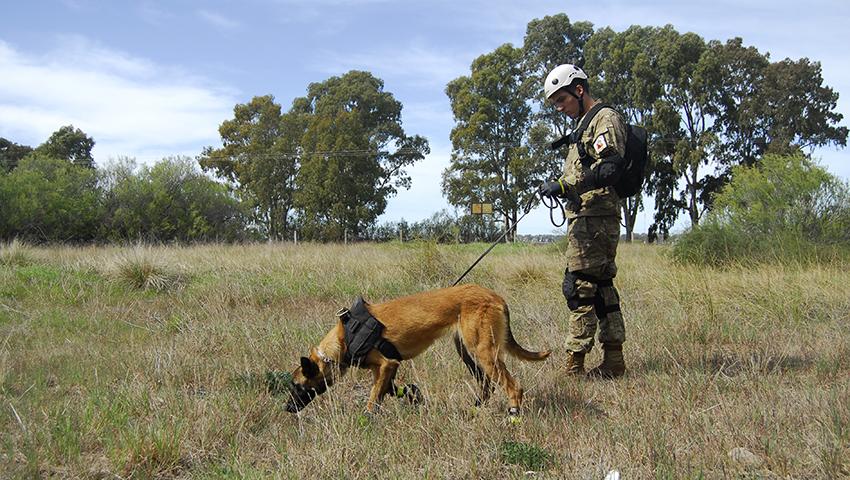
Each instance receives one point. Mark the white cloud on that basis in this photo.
(154, 14)
(219, 21)
(423, 68)
(129, 106)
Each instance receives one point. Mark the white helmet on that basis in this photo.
(560, 77)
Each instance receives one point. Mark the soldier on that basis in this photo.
(594, 163)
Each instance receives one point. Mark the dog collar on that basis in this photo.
(323, 357)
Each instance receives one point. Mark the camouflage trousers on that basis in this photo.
(588, 283)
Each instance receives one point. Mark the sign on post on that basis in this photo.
(482, 208)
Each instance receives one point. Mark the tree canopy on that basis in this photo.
(69, 144)
(331, 161)
(327, 167)
(708, 107)
(10, 154)
(260, 156)
(354, 152)
(490, 160)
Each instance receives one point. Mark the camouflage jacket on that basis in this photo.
(605, 136)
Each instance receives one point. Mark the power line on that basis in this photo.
(338, 153)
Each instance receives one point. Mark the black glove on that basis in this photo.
(552, 188)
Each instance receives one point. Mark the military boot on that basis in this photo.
(575, 364)
(612, 365)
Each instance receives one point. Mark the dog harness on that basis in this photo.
(362, 334)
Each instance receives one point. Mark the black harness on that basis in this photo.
(362, 334)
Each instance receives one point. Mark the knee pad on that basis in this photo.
(603, 308)
(570, 289)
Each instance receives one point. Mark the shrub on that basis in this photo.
(49, 200)
(169, 201)
(786, 209)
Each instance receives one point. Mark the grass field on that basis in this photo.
(160, 362)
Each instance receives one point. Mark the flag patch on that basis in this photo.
(600, 144)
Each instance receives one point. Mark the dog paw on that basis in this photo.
(410, 392)
(513, 415)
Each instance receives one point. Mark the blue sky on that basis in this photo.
(152, 79)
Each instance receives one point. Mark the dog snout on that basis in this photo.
(299, 398)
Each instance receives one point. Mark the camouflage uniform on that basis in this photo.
(594, 232)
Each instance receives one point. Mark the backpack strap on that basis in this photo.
(585, 122)
(575, 135)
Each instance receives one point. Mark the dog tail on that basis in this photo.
(516, 350)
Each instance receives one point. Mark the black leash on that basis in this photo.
(555, 205)
(507, 230)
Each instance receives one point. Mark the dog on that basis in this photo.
(477, 317)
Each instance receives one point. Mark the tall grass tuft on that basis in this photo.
(140, 268)
(432, 266)
(15, 253)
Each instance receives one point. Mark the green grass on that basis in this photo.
(106, 372)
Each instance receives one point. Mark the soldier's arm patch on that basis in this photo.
(600, 144)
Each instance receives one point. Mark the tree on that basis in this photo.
(490, 153)
(11, 154)
(688, 73)
(733, 106)
(550, 42)
(260, 155)
(624, 77)
(347, 171)
(69, 144)
(771, 107)
(169, 201)
(47, 199)
(707, 106)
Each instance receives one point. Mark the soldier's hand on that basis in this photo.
(552, 188)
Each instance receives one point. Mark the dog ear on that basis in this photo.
(308, 368)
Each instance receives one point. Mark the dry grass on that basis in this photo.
(157, 362)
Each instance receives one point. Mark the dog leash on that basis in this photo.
(528, 207)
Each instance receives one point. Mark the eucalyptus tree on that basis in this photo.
(260, 157)
(10, 154)
(491, 160)
(683, 118)
(354, 153)
(733, 106)
(548, 42)
(622, 65)
(772, 107)
(69, 144)
(707, 106)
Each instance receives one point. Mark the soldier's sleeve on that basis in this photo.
(608, 135)
(604, 137)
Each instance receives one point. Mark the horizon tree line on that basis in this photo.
(326, 168)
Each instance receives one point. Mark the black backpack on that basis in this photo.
(631, 181)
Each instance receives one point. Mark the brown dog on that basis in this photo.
(477, 316)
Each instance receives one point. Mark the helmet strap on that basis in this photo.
(580, 99)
